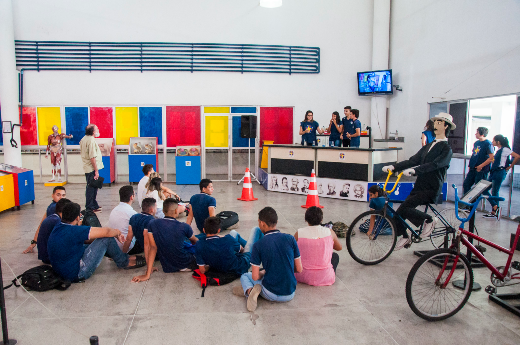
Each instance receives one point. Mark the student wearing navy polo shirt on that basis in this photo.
(138, 222)
(57, 193)
(355, 133)
(347, 125)
(46, 229)
(74, 261)
(279, 255)
(203, 205)
(308, 128)
(335, 130)
(224, 254)
(165, 238)
(481, 158)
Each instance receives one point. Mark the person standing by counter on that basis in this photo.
(308, 128)
(355, 134)
(347, 124)
(428, 135)
(335, 130)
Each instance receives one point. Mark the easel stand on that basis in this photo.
(253, 177)
(461, 284)
(5, 335)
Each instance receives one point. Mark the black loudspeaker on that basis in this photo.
(248, 126)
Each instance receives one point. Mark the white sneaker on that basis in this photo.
(402, 242)
(428, 228)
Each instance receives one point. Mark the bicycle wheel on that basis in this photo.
(425, 293)
(368, 251)
(440, 230)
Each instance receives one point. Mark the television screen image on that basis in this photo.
(375, 82)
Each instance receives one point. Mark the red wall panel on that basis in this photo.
(183, 126)
(276, 123)
(29, 129)
(104, 119)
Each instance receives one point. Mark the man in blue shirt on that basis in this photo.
(481, 157)
(203, 205)
(347, 125)
(74, 261)
(279, 255)
(138, 222)
(46, 229)
(355, 133)
(57, 193)
(165, 238)
(224, 254)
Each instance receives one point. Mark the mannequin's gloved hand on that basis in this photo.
(409, 172)
(388, 167)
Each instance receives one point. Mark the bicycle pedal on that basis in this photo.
(408, 245)
(516, 265)
(491, 290)
(480, 248)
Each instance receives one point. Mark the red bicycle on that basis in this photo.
(428, 290)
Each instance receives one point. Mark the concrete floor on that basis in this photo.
(367, 304)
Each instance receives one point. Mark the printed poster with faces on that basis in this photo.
(327, 188)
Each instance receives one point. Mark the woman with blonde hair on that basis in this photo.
(166, 191)
(154, 190)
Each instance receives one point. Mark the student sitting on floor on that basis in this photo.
(57, 193)
(203, 205)
(279, 255)
(224, 254)
(165, 237)
(46, 229)
(72, 260)
(316, 243)
(138, 222)
(154, 190)
(120, 217)
(141, 187)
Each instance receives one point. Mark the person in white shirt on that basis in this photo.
(121, 214)
(141, 187)
(155, 191)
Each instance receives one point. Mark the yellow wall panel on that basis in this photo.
(216, 110)
(126, 124)
(217, 131)
(6, 191)
(47, 117)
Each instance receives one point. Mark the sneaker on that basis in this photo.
(402, 243)
(97, 210)
(428, 228)
(253, 297)
(489, 215)
(238, 291)
(498, 213)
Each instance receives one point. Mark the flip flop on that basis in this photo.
(139, 262)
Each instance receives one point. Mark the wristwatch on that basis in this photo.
(33, 242)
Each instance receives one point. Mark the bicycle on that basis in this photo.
(428, 290)
(371, 250)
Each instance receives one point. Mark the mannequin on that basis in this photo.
(55, 149)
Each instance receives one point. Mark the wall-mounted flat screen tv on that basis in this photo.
(375, 82)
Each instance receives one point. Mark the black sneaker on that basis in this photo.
(489, 215)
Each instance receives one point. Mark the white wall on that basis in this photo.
(341, 29)
(454, 49)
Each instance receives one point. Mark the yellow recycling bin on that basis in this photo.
(265, 163)
(6, 191)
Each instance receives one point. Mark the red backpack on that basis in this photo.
(214, 278)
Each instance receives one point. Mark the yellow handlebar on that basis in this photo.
(395, 184)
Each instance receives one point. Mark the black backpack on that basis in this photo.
(90, 219)
(214, 278)
(41, 278)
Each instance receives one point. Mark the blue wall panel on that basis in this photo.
(76, 119)
(243, 110)
(150, 122)
(237, 140)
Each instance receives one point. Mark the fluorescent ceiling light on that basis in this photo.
(270, 3)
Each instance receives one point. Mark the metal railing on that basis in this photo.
(187, 57)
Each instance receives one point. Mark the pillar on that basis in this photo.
(9, 82)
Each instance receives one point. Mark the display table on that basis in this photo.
(187, 165)
(142, 151)
(356, 164)
(23, 184)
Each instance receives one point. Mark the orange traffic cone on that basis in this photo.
(247, 190)
(312, 196)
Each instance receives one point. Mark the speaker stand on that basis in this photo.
(253, 177)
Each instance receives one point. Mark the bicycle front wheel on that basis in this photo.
(429, 289)
(371, 250)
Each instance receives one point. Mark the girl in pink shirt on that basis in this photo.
(316, 244)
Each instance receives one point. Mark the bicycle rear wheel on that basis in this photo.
(438, 234)
(368, 251)
(425, 293)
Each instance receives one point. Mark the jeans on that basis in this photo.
(496, 178)
(159, 213)
(95, 252)
(337, 143)
(247, 282)
(472, 178)
(90, 193)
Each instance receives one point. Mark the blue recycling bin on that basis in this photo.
(187, 169)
